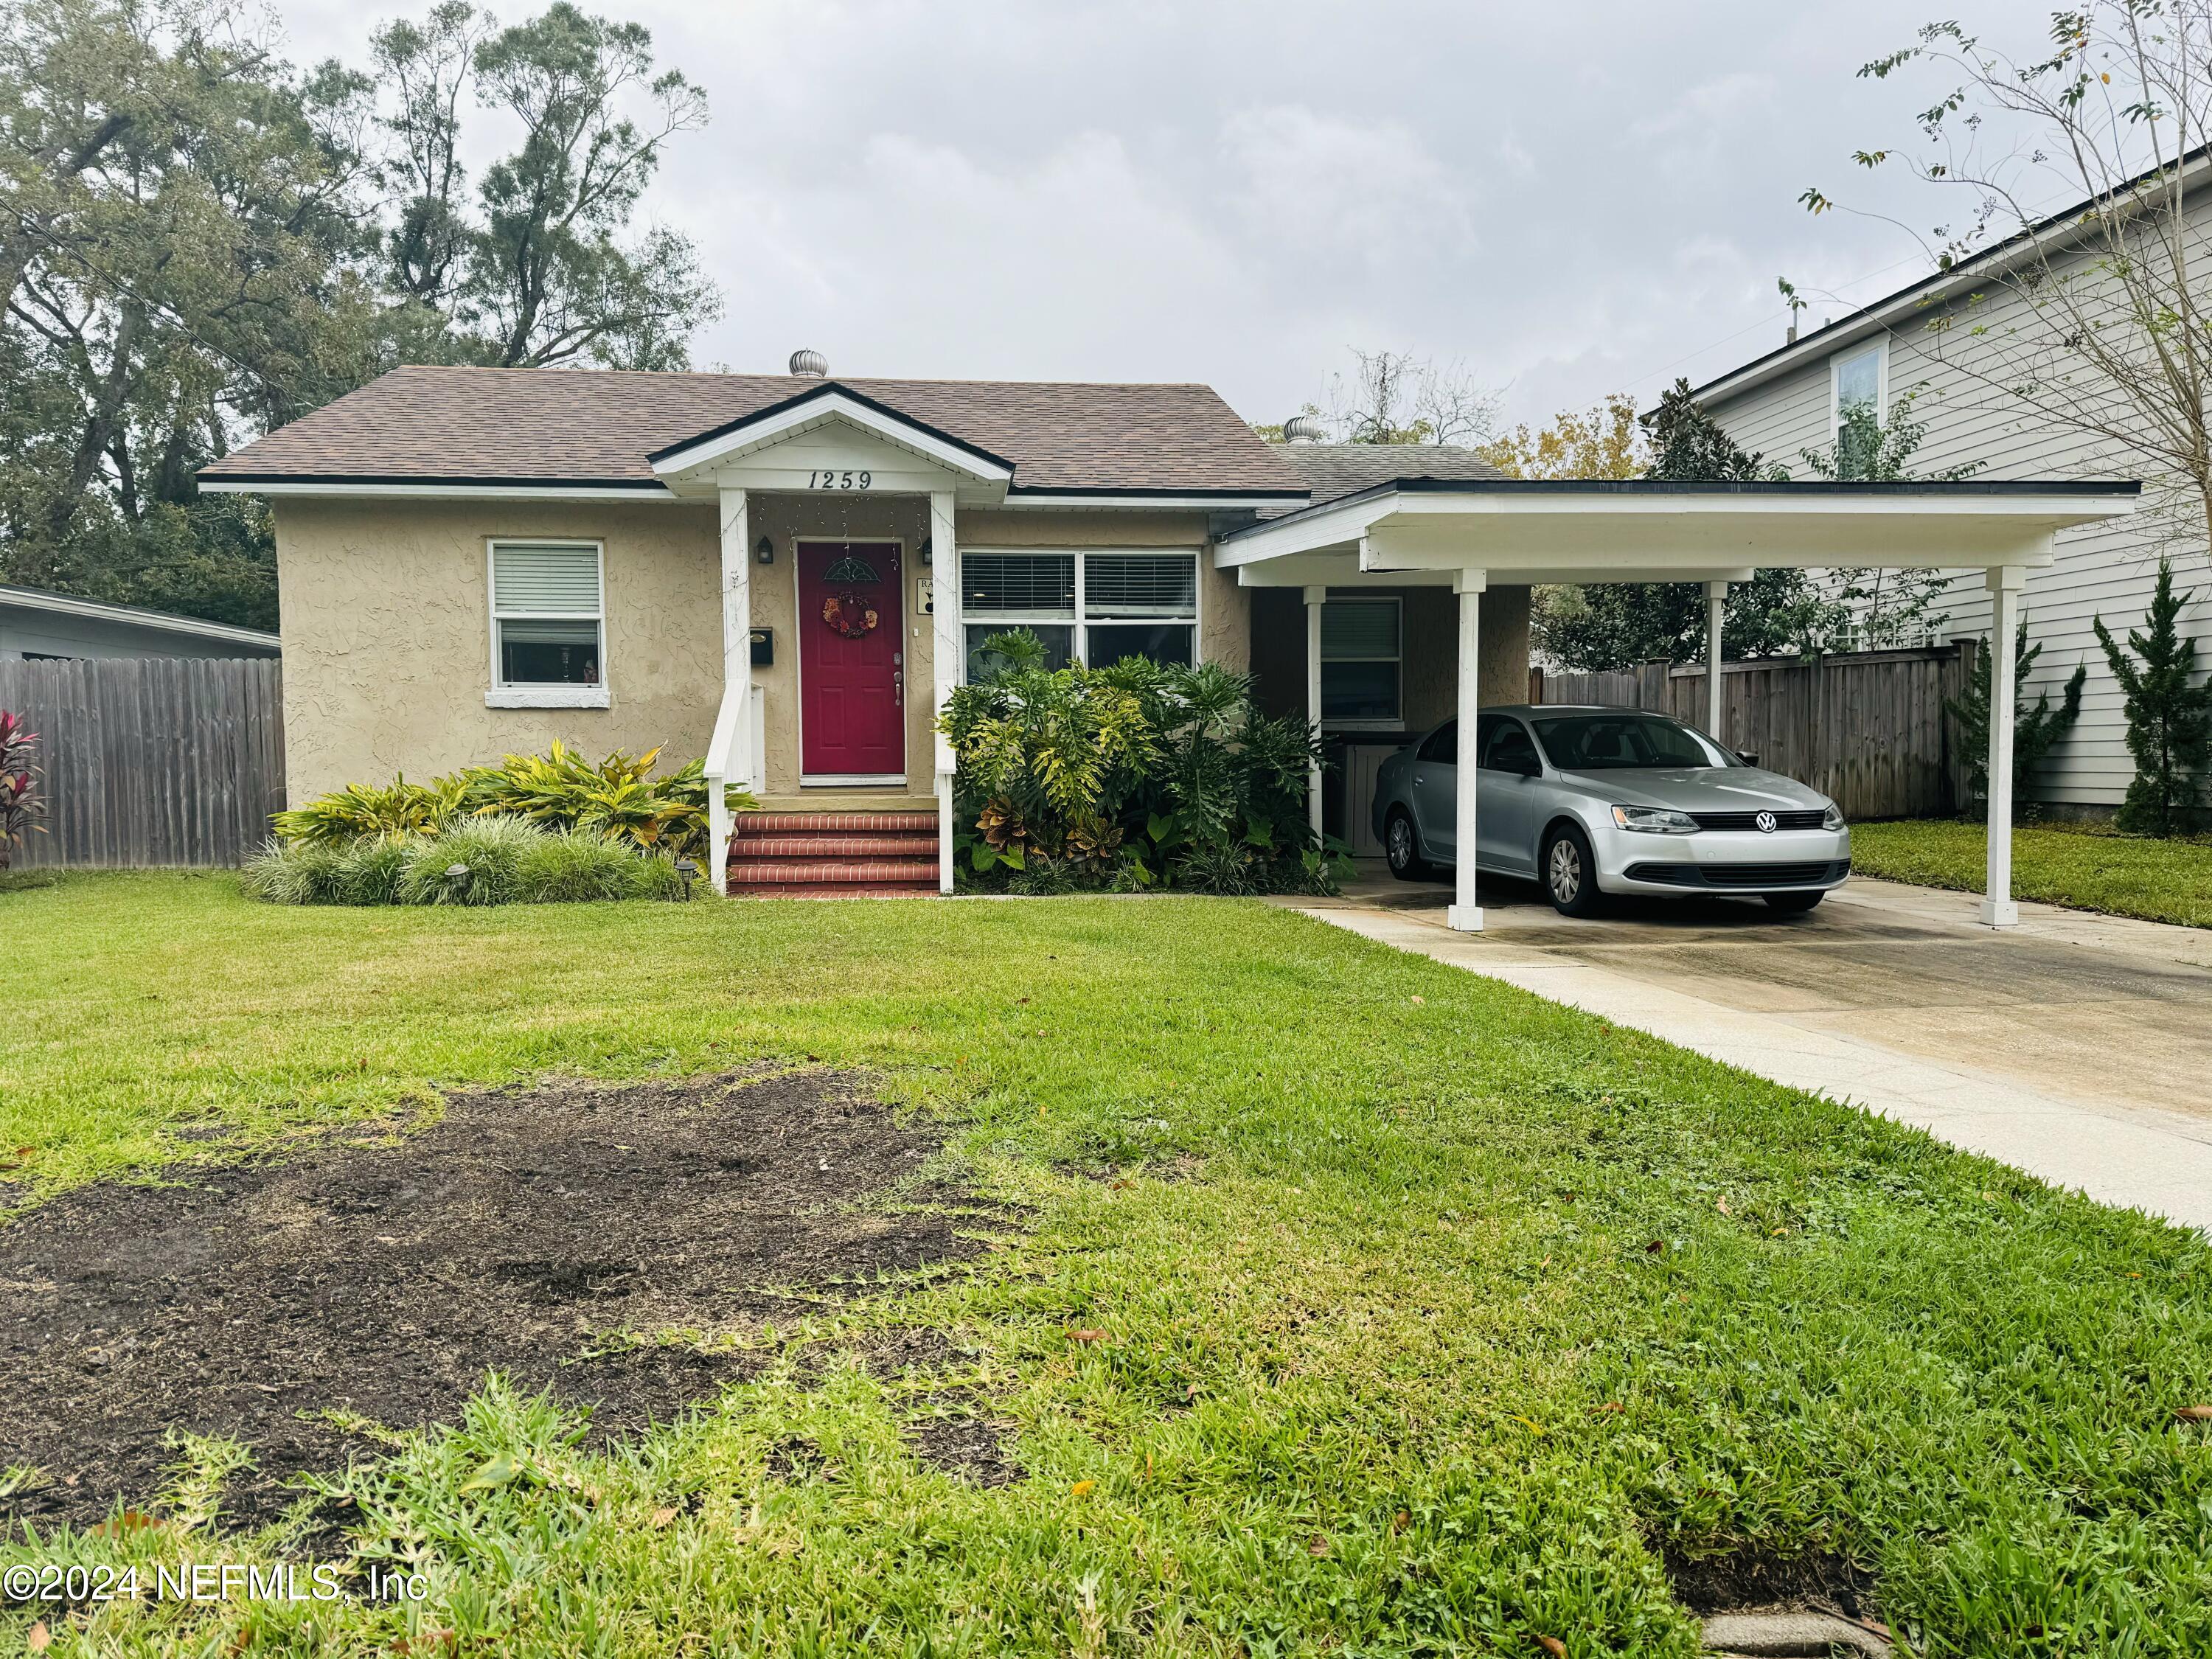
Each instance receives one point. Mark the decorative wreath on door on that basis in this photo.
(849, 615)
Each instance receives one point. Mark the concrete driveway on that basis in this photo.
(2075, 1047)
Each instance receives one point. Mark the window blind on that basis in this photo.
(1359, 631)
(562, 580)
(1019, 584)
(1141, 584)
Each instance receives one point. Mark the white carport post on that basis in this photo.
(1315, 598)
(2006, 584)
(948, 651)
(1716, 609)
(1465, 915)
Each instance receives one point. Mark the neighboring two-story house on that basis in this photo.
(1947, 339)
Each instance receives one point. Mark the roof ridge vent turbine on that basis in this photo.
(810, 365)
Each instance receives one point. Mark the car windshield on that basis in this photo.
(1615, 742)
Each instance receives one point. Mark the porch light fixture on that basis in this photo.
(922, 552)
(764, 550)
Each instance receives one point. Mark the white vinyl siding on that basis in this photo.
(2107, 570)
(548, 624)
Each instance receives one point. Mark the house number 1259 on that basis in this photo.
(847, 480)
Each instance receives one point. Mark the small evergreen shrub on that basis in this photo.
(581, 867)
(369, 872)
(301, 873)
(2169, 716)
(471, 861)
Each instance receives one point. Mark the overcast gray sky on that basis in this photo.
(1572, 198)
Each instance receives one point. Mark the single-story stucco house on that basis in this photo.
(788, 574)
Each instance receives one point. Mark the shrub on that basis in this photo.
(370, 871)
(2035, 730)
(487, 853)
(21, 804)
(1128, 776)
(300, 872)
(618, 798)
(578, 866)
(397, 809)
(2169, 719)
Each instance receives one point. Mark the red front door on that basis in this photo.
(852, 645)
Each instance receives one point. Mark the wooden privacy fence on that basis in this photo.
(1866, 728)
(151, 760)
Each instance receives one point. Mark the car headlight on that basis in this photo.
(1833, 818)
(1654, 820)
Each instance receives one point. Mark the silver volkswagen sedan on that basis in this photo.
(1590, 801)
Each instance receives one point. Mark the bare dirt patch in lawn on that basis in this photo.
(383, 1280)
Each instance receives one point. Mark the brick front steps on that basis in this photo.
(833, 855)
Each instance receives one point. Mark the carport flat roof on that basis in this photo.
(1424, 531)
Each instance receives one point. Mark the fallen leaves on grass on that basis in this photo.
(1317, 1545)
(1082, 1489)
(41, 1638)
(665, 1515)
(2194, 1415)
(1553, 1645)
(1086, 1334)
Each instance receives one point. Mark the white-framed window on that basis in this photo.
(548, 624)
(1097, 605)
(1858, 402)
(1362, 661)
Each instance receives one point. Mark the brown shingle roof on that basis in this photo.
(524, 426)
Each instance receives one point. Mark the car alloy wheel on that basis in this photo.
(1402, 850)
(1401, 844)
(1563, 873)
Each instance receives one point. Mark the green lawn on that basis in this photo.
(2085, 869)
(1475, 1307)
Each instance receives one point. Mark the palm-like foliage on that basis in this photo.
(618, 799)
(1131, 773)
(398, 809)
(19, 801)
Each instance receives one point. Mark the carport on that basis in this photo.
(1461, 534)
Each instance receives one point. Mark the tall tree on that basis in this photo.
(1603, 442)
(1396, 397)
(199, 242)
(1609, 625)
(2096, 323)
(548, 272)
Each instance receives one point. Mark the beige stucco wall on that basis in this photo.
(386, 625)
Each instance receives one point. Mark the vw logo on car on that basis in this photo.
(1767, 823)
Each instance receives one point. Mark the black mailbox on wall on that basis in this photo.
(764, 648)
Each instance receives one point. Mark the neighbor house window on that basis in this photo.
(1097, 607)
(1855, 407)
(548, 624)
(1361, 650)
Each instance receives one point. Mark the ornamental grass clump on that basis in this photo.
(470, 861)
(577, 866)
(369, 872)
(300, 872)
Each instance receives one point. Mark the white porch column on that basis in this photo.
(1715, 608)
(948, 655)
(2006, 584)
(1315, 598)
(1465, 915)
(729, 759)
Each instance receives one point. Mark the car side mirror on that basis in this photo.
(1748, 757)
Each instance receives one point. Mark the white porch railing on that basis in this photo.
(744, 709)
